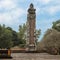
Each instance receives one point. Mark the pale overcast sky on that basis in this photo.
(14, 13)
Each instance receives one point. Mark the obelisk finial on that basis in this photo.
(31, 5)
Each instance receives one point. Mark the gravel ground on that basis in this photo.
(33, 56)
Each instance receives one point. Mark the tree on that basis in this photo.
(21, 35)
(5, 38)
(14, 36)
(38, 33)
(56, 25)
(10, 38)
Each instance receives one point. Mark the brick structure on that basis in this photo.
(31, 36)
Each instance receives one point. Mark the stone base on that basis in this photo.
(31, 48)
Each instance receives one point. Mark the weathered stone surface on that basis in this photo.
(33, 56)
(31, 20)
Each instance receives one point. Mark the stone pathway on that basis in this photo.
(33, 56)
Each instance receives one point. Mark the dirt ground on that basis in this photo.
(33, 56)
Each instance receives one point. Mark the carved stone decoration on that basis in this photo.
(31, 20)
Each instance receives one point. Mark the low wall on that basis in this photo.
(18, 51)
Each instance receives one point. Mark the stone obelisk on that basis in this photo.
(31, 29)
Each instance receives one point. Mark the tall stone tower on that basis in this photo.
(31, 20)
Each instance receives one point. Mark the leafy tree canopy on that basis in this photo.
(56, 25)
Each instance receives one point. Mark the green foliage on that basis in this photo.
(22, 30)
(10, 38)
(21, 45)
(14, 37)
(22, 35)
(5, 37)
(38, 33)
(56, 25)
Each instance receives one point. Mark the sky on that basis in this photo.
(14, 13)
